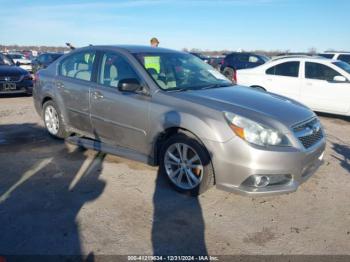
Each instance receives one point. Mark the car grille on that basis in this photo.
(10, 78)
(309, 133)
(312, 139)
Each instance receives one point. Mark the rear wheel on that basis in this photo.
(53, 120)
(187, 165)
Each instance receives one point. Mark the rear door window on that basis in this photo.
(78, 66)
(319, 71)
(290, 69)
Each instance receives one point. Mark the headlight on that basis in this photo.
(254, 132)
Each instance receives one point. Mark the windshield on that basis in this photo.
(5, 60)
(343, 65)
(179, 71)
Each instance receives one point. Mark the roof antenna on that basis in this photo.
(70, 46)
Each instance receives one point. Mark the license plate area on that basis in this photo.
(8, 86)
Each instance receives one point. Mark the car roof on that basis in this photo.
(301, 58)
(336, 52)
(244, 53)
(135, 48)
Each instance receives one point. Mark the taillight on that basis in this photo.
(234, 76)
(35, 77)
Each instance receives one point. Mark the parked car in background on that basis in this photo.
(171, 109)
(216, 62)
(321, 84)
(43, 60)
(14, 79)
(238, 60)
(343, 56)
(21, 60)
(201, 56)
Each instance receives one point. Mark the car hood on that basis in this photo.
(6, 70)
(239, 99)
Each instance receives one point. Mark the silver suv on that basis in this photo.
(171, 109)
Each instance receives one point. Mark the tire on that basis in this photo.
(200, 169)
(54, 125)
(228, 73)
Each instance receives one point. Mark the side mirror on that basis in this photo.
(130, 85)
(339, 79)
(18, 63)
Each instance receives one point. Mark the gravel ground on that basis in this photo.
(59, 199)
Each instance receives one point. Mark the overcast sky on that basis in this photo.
(295, 25)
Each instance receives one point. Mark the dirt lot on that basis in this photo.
(59, 199)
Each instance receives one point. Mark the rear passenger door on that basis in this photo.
(119, 118)
(73, 83)
(283, 79)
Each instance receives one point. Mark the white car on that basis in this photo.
(321, 84)
(343, 56)
(24, 63)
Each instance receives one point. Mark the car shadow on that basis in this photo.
(178, 225)
(340, 117)
(43, 186)
(344, 152)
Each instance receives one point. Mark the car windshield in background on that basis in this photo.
(178, 71)
(343, 65)
(15, 56)
(5, 61)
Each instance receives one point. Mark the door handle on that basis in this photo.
(309, 84)
(269, 79)
(97, 95)
(59, 85)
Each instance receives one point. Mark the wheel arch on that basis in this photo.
(258, 87)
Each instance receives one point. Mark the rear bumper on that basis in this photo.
(25, 86)
(236, 160)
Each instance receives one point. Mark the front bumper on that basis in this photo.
(234, 161)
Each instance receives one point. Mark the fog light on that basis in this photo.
(261, 181)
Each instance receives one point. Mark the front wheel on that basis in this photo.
(187, 165)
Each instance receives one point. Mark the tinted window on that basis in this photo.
(330, 56)
(343, 65)
(113, 69)
(5, 60)
(285, 69)
(243, 58)
(319, 71)
(345, 58)
(78, 66)
(43, 59)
